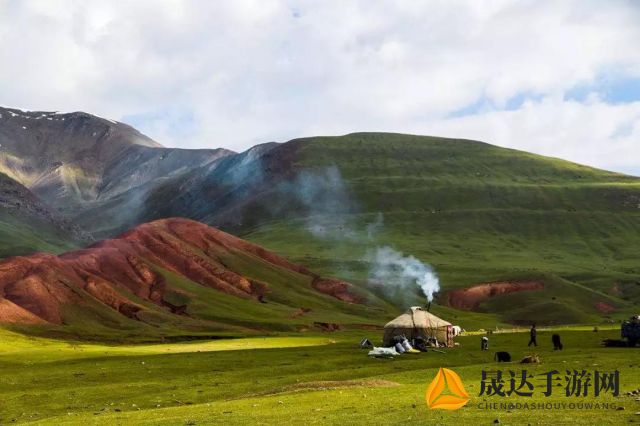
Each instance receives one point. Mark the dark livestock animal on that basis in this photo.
(557, 344)
(502, 357)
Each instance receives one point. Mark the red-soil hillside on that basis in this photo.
(471, 297)
(123, 274)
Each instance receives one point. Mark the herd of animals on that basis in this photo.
(503, 356)
(630, 332)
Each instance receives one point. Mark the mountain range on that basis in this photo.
(481, 215)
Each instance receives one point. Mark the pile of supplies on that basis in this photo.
(401, 345)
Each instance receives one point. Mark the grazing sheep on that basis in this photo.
(530, 359)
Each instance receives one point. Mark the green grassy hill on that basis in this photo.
(477, 213)
(18, 237)
(28, 225)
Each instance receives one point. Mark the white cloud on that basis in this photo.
(252, 71)
(591, 133)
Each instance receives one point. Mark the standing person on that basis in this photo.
(484, 343)
(533, 334)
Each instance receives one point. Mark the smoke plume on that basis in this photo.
(328, 203)
(400, 273)
(331, 210)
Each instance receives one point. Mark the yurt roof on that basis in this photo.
(419, 318)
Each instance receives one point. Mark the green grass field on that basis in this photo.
(312, 379)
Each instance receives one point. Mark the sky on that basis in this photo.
(559, 78)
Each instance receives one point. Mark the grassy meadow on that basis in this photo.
(308, 378)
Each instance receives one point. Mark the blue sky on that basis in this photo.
(616, 90)
(484, 104)
(554, 78)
